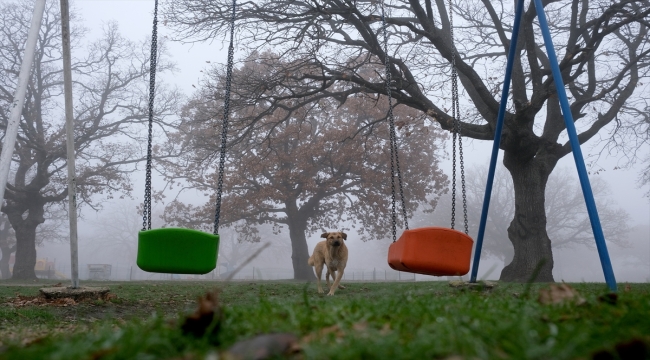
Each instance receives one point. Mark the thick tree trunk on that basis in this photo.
(300, 254)
(533, 257)
(4, 261)
(297, 223)
(25, 229)
(25, 253)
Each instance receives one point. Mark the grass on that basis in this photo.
(364, 321)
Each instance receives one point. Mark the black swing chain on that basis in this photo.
(226, 113)
(456, 132)
(146, 218)
(394, 158)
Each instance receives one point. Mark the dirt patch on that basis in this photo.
(22, 301)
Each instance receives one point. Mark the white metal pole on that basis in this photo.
(19, 96)
(69, 122)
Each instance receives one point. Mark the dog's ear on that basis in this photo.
(345, 236)
(324, 235)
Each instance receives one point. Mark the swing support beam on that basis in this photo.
(573, 139)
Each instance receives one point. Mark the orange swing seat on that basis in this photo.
(433, 251)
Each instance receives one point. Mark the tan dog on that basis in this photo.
(334, 254)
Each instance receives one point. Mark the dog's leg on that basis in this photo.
(333, 278)
(339, 275)
(319, 272)
(327, 277)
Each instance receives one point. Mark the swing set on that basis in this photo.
(434, 251)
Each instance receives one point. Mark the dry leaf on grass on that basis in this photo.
(611, 298)
(360, 326)
(207, 316)
(629, 350)
(633, 349)
(22, 301)
(560, 294)
(334, 329)
(264, 347)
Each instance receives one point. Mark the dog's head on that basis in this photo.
(334, 238)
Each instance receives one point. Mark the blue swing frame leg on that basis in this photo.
(573, 139)
(497, 139)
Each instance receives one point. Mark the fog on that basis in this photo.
(101, 245)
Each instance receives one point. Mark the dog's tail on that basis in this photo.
(311, 260)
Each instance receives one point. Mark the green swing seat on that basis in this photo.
(177, 251)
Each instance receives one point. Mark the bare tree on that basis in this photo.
(644, 179)
(303, 169)
(604, 52)
(110, 93)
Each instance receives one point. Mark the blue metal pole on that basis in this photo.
(497, 138)
(577, 153)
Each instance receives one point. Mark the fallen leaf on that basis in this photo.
(610, 298)
(334, 329)
(102, 353)
(206, 317)
(264, 347)
(628, 288)
(360, 326)
(385, 329)
(628, 350)
(456, 283)
(559, 294)
(633, 349)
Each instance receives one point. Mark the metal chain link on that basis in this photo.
(456, 131)
(146, 218)
(394, 157)
(226, 113)
(462, 173)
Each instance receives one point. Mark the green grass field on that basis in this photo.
(414, 320)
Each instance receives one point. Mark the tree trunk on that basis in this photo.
(4, 261)
(300, 254)
(297, 223)
(533, 257)
(25, 229)
(25, 253)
